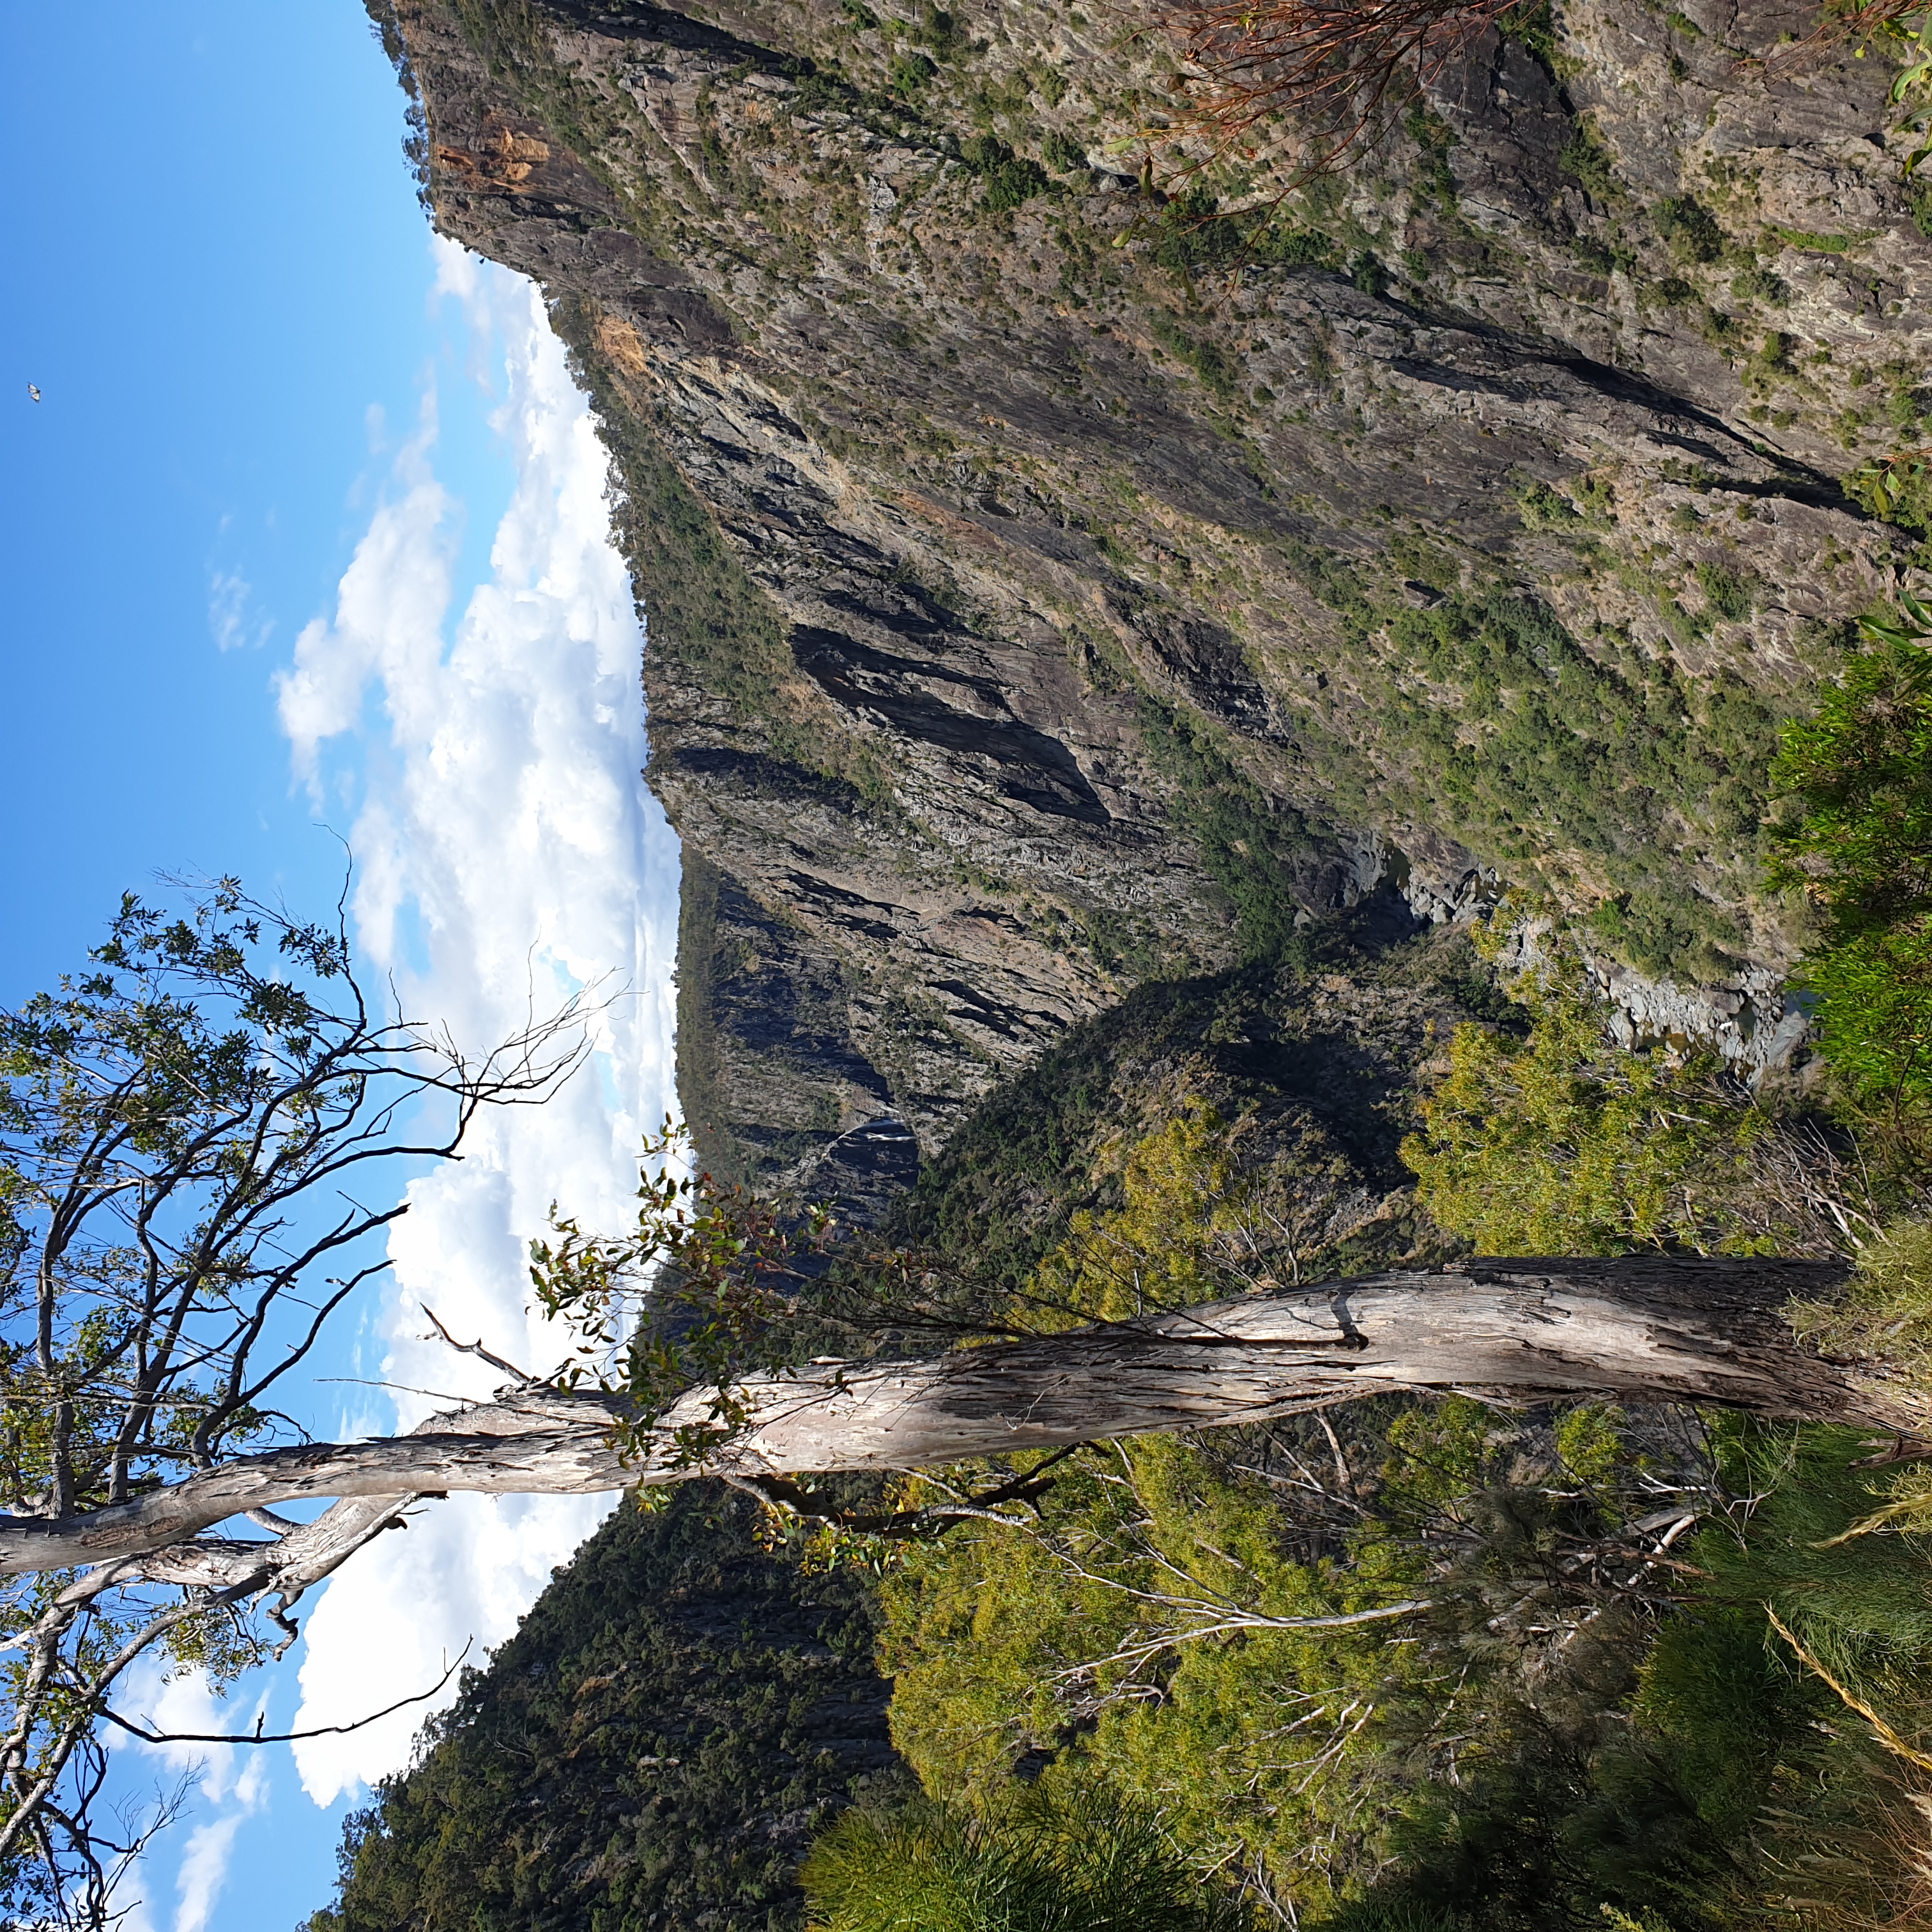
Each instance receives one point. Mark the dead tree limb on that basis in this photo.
(1654, 1329)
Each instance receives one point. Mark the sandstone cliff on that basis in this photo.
(1051, 584)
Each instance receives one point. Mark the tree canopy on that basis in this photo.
(191, 1131)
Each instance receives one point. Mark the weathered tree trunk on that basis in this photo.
(1516, 1331)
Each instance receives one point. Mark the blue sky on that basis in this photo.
(307, 529)
(215, 271)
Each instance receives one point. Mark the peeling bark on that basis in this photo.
(1637, 1328)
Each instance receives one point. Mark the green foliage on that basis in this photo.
(1043, 1864)
(1207, 359)
(1730, 1779)
(1395, 1686)
(1563, 1143)
(1207, 1631)
(1064, 156)
(1532, 24)
(1181, 1192)
(1885, 1312)
(1861, 1605)
(169, 1119)
(1588, 163)
(1191, 234)
(1543, 748)
(1544, 508)
(1860, 771)
(1152, 1636)
(695, 1295)
(907, 74)
(1317, 1088)
(1730, 594)
(1759, 284)
(1898, 488)
(651, 1749)
(1909, 31)
(1252, 845)
(816, 92)
(1690, 228)
(1010, 179)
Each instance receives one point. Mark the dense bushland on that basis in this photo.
(1436, 1665)
(1409, 1664)
(1433, 1661)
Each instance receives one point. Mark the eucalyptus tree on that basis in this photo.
(200, 1142)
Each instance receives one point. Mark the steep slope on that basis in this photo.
(1051, 584)
(1314, 1067)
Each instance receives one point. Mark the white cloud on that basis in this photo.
(229, 621)
(389, 611)
(184, 1704)
(235, 1777)
(507, 852)
(204, 1870)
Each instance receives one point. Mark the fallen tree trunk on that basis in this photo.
(1636, 1328)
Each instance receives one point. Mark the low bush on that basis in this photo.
(1040, 1863)
(1860, 772)
(1563, 1142)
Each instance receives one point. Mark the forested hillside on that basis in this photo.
(1396, 1664)
(1072, 551)
(655, 1747)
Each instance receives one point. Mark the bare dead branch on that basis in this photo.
(257, 1736)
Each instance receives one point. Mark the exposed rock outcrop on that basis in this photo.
(1050, 584)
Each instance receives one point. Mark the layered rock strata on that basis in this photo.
(1065, 565)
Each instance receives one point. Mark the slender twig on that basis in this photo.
(257, 1736)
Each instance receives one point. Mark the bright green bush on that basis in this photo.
(1862, 851)
(1562, 1144)
(1147, 1635)
(1042, 1863)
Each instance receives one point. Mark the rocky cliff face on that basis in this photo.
(1051, 584)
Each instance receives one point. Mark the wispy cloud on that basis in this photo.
(233, 1783)
(204, 1870)
(389, 611)
(507, 853)
(231, 623)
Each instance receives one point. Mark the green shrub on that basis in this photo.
(1192, 234)
(1885, 1312)
(1218, 373)
(1064, 157)
(650, 1749)
(1544, 508)
(1010, 179)
(1098, 1638)
(908, 75)
(1690, 228)
(1562, 1144)
(1588, 163)
(1758, 284)
(1862, 851)
(1730, 594)
(1039, 1863)
(1897, 488)
(1548, 746)
(1252, 845)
